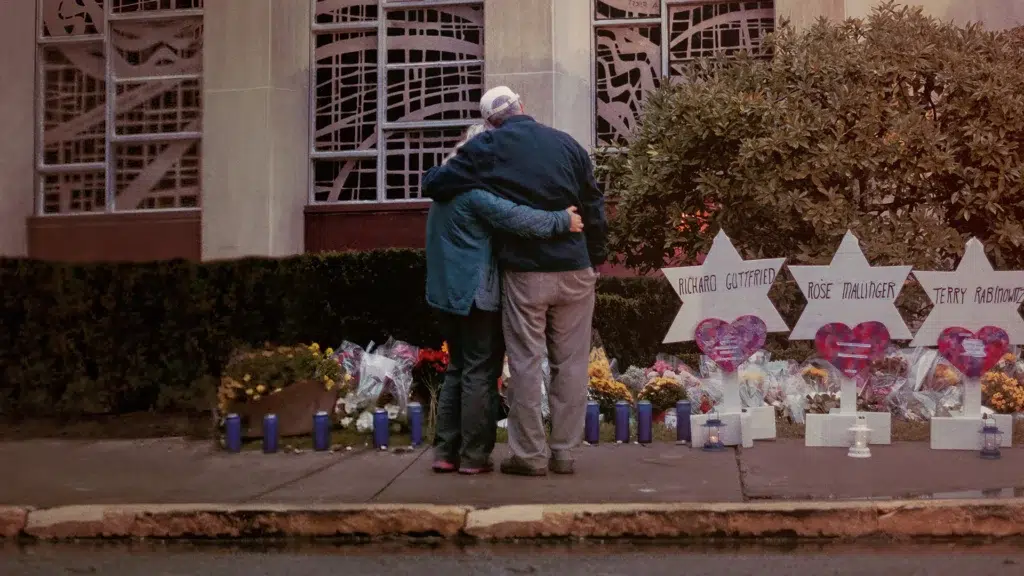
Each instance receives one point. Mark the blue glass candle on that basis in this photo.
(683, 409)
(269, 434)
(416, 423)
(233, 433)
(644, 427)
(592, 429)
(380, 429)
(321, 431)
(621, 421)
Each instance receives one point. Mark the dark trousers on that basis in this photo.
(468, 405)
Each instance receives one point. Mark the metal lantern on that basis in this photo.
(860, 433)
(991, 439)
(714, 427)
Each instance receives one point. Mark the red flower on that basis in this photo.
(432, 360)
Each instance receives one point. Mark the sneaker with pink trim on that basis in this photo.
(477, 470)
(444, 466)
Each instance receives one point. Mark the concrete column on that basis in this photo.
(518, 52)
(256, 127)
(573, 90)
(541, 49)
(18, 119)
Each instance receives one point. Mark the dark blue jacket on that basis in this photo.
(537, 166)
(461, 269)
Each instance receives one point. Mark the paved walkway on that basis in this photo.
(46, 473)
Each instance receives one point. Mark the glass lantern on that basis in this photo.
(860, 433)
(714, 427)
(991, 439)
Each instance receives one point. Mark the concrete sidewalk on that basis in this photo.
(49, 473)
(56, 489)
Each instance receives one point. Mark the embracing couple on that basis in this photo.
(514, 234)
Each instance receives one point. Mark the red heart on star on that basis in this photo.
(852, 350)
(973, 354)
(730, 345)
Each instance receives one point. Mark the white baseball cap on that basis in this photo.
(497, 100)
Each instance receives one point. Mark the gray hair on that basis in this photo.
(471, 132)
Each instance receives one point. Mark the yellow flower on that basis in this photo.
(261, 389)
(348, 378)
(255, 398)
(444, 347)
(249, 391)
(329, 352)
(327, 378)
(247, 378)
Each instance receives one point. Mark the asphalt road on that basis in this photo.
(589, 560)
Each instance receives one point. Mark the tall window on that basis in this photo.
(119, 86)
(639, 42)
(395, 84)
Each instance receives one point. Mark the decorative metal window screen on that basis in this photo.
(119, 88)
(395, 83)
(638, 42)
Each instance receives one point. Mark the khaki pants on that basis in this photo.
(547, 312)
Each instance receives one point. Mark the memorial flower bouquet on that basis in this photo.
(1002, 388)
(429, 371)
(663, 393)
(635, 378)
(603, 388)
(941, 376)
(822, 381)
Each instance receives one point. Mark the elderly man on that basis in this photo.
(548, 285)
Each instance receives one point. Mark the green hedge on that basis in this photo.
(117, 338)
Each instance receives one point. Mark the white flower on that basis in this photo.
(365, 422)
(350, 403)
(346, 422)
(392, 411)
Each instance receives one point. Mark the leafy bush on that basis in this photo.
(119, 338)
(902, 128)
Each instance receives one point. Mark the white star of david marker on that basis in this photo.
(849, 290)
(725, 287)
(972, 297)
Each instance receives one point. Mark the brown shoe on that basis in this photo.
(562, 466)
(517, 467)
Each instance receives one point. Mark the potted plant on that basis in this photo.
(291, 382)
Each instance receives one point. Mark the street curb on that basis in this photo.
(827, 520)
(243, 521)
(12, 521)
(818, 520)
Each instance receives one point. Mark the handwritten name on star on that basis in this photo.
(731, 281)
(868, 290)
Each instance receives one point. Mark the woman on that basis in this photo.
(463, 284)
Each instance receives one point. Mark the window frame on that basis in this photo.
(383, 128)
(663, 20)
(104, 38)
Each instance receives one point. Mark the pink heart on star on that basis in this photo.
(973, 354)
(730, 345)
(852, 350)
